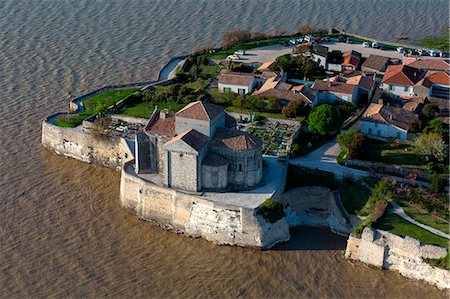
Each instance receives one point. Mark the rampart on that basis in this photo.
(406, 255)
(197, 217)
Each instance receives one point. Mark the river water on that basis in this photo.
(62, 230)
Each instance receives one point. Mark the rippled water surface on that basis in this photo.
(62, 230)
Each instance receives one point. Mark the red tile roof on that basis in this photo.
(338, 87)
(164, 126)
(193, 138)
(429, 64)
(376, 62)
(235, 78)
(431, 78)
(389, 115)
(235, 140)
(285, 95)
(200, 110)
(402, 75)
(366, 82)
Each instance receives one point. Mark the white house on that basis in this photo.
(330, 91)
(400, 79)
(320, 55)
(241, 83)
(387, 121)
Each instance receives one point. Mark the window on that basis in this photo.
(406, 88)
(370, 130)
(391, 87)
(240, 167)
(241, 91)
(399, 135)
(226, 89)
(379, 132)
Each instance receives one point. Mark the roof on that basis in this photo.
(338, 87)
(193, 138)
(273, 83)
(413, 106)
(402, 75)
(235, 78)
(376, 62)
(429, 64)
(351, 57)
(215, 160)
(431, 78)
(320, 50)
(287, 95)
(389, 115)
(235, 140)
(200, 110)
(162, 126)
(265, 65)
(366, 82)
(308, 93)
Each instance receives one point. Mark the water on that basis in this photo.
(62, 230)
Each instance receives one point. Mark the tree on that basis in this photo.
(430, 110)
(236, 37)
(324, 119)
(431, 144)
(353, 141)
(305, 29)
(298, 67)
(293, 109)
(436, 184)
(435, 126)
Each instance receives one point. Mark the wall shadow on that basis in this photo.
(313, 238)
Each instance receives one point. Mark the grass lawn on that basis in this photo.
(354, 197)
(401, 227)
(93, 105)
(441, 42)
(210, 70)
(199, 84)
(399, 154)
(263, 114)
(145, 109)
(424, 217)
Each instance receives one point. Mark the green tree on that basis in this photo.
(431, 145)
(324, 119)
(436, 184)
(293, 109)
(354, 142)
(435, 126)
(430, 110)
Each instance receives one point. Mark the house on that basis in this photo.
(350, 61)
(414, 104)
(320, 55)
(400, 79)
(365, 85)
(334, 61)
(194, 150)
(428, 64)
(375, 64)
(435, 84)
(329, 92)
(387, 121)
(265, 66)
(240, 83)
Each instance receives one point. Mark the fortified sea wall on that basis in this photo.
(406, 255)
(197, 217)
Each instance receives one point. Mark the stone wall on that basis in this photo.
(78, 143)
(406, 255)
(392, 169)
(316, 206)
(198, 217)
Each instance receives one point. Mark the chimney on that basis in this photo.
(163, 114)
(390, 116)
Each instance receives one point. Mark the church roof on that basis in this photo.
(193, 138)
(200, 110)
(235, 140)
(214, 160)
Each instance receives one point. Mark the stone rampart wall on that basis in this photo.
(406, 255)
(197, 217)
(79, 144)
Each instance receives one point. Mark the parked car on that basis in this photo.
(341, 39)
(239, 52)
(365, 45)
(349, 40)
(318, 39)
(382, 47)
(375, 45)
(400, 49)
(325, 39)
(309, 38)
(233, 57)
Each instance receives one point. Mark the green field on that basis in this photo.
(399, 154)
(396, 225)
(424, 217)
(354, 197)
(145, 109)
(94, 105)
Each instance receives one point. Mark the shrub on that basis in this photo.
(293, 109)
(430, 110)
(443, 263)
(431, 145)
(435, 126)
(436, 184)
(353, 142)
(271, 210)
(324, 119)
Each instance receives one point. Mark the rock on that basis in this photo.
(428, 251)
(368, 234)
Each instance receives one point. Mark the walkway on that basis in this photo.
(169, 70)
(400, 212)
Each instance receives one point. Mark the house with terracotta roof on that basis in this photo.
(428, 64)
(350, 61)
(387, 121)
(401, 79)
(375, 64)
(197, 150)
(240, 83)
(434, 84)
(335, 90)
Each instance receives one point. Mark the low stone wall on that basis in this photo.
(316, 206)
(197, 217)
(396, 170)
(79, 144)
(406, 255)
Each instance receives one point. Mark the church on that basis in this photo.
(199, 149)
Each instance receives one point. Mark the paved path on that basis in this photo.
(168, 71)
(400, 212)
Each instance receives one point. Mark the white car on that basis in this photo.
(239, 52)
(365, 45)
(400, 49)
(233, 57)
(374, 45)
